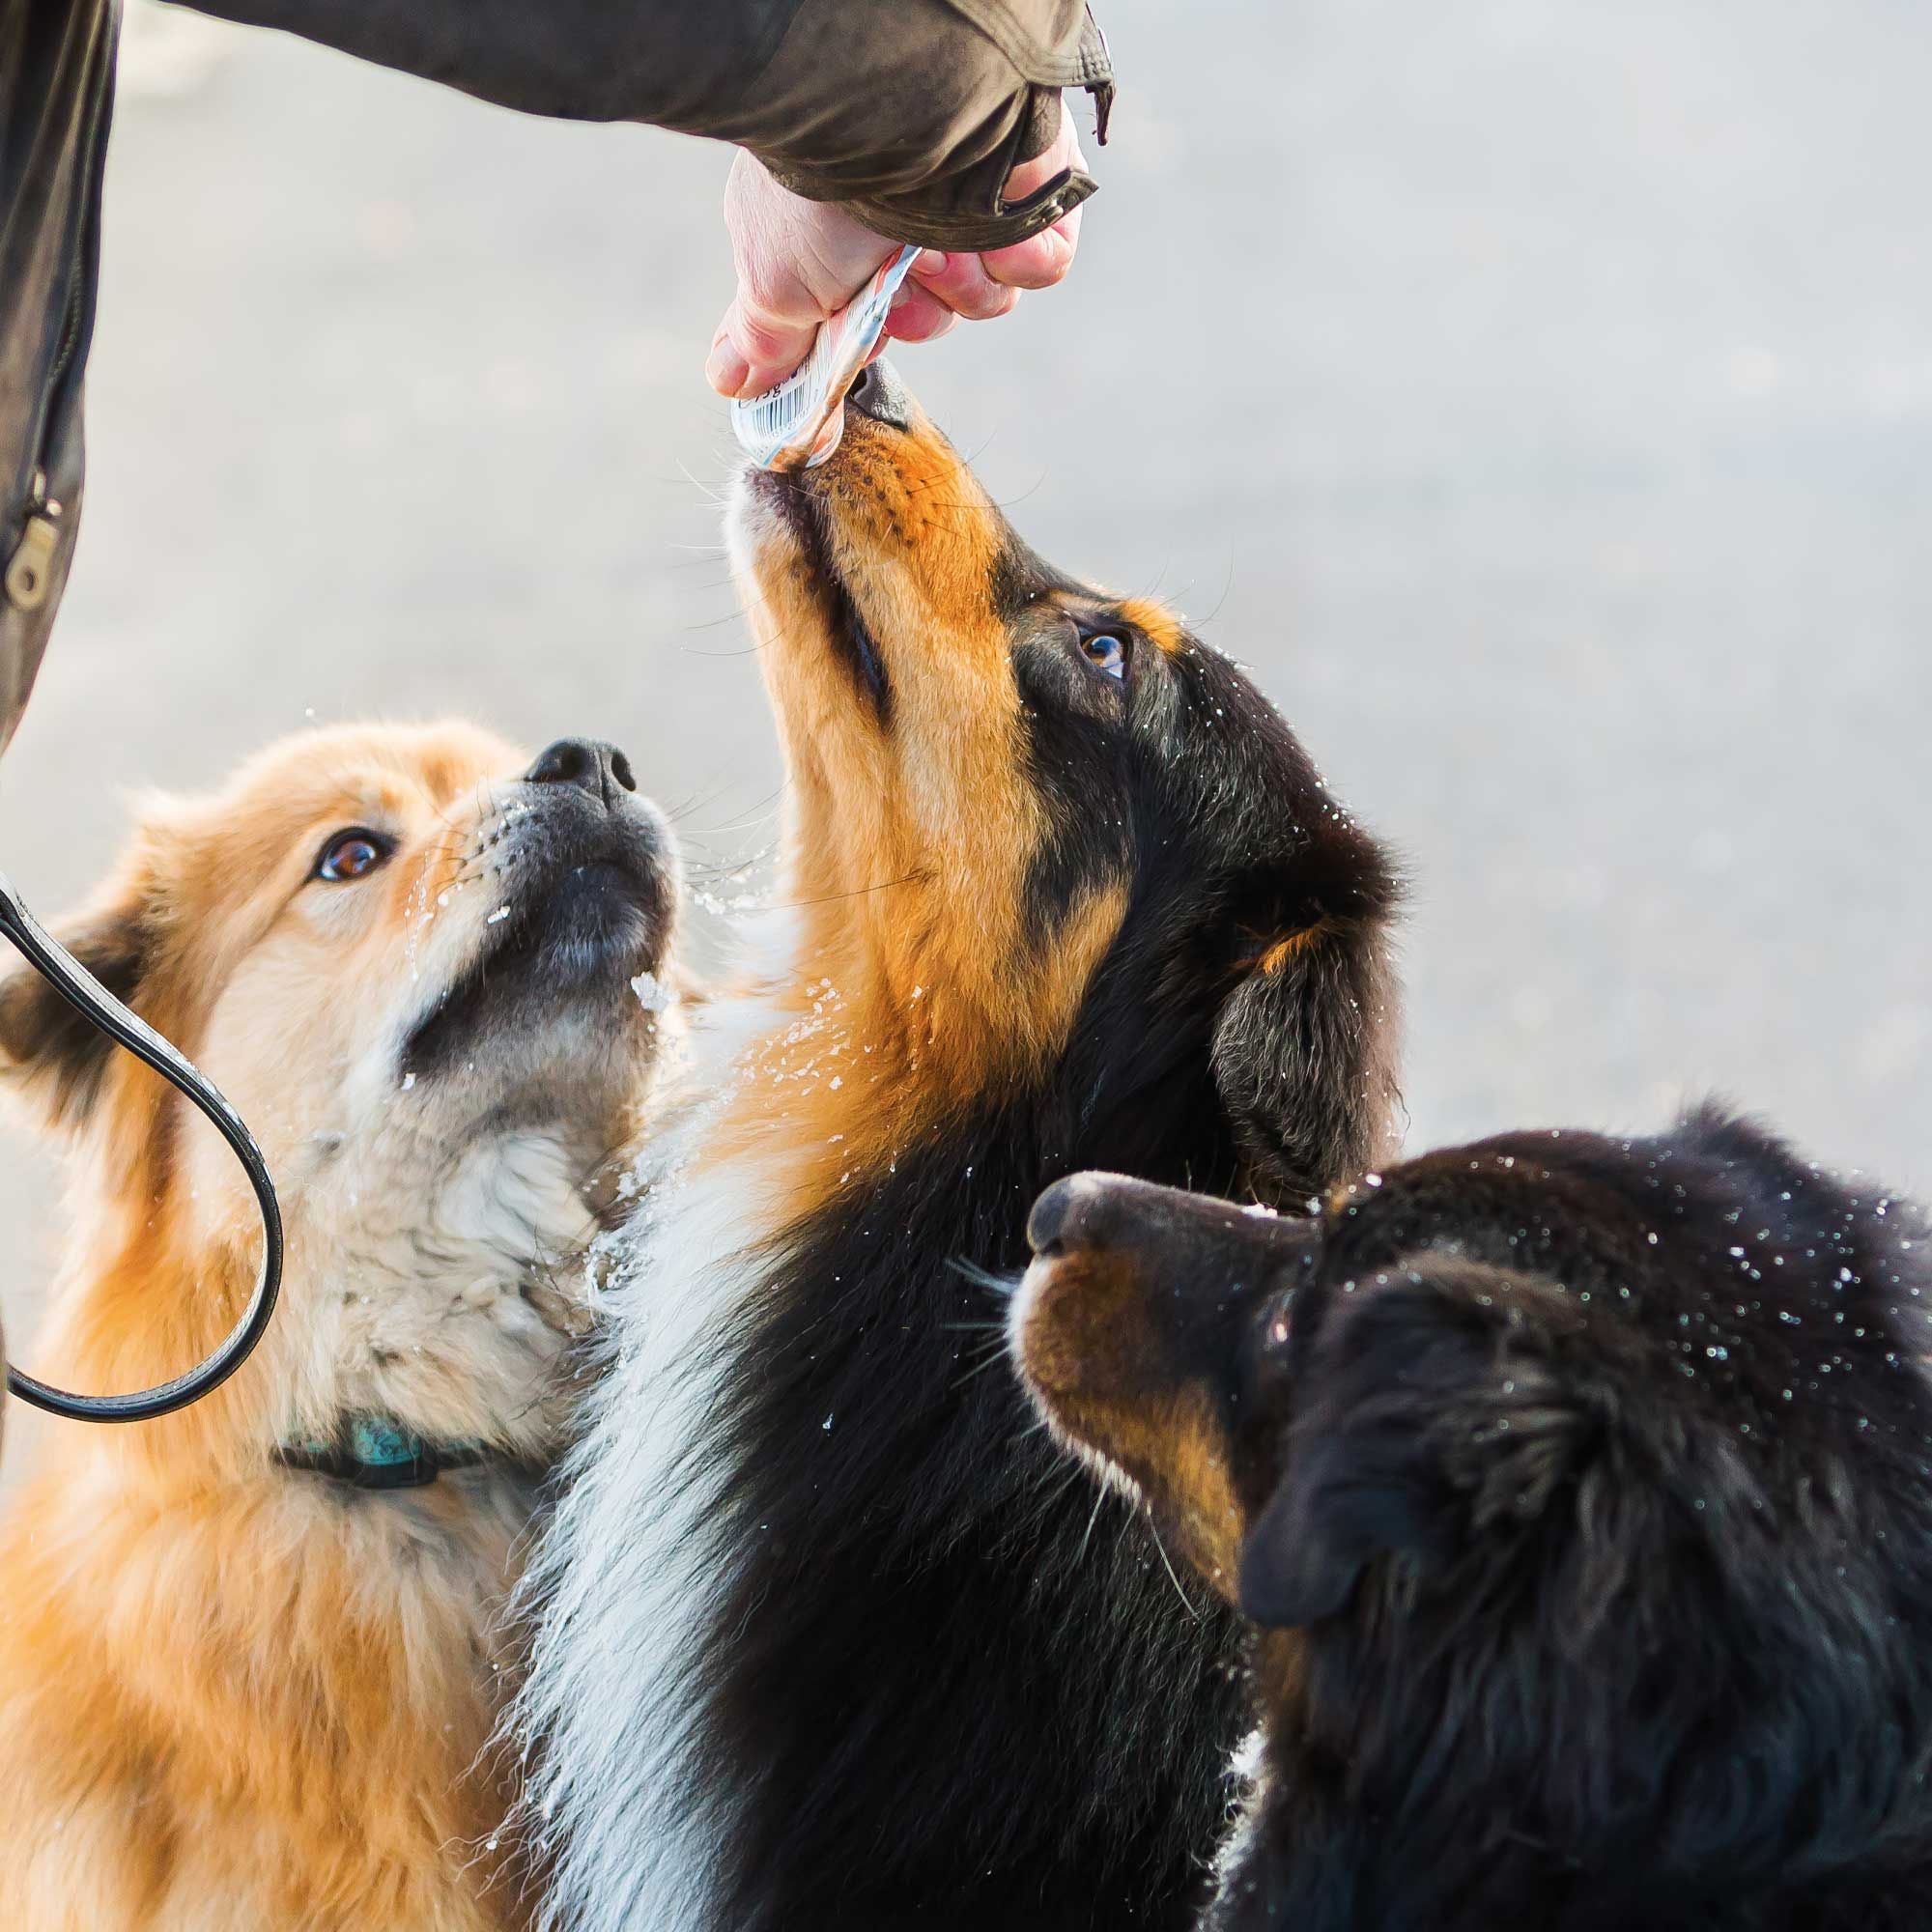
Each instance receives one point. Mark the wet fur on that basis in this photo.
(1583, 1504)
(235, 1695)
(827, 1641)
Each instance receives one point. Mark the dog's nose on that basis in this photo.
(877, 393)
(587, 764)
(1072, 1214)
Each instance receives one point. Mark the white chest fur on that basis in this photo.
(435, 1282)
(626, 1573)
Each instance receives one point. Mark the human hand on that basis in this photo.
(801, 261)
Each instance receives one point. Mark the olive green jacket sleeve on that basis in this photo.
(911, 113)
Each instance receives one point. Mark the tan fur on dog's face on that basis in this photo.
(1142, 1330)
(918, 836)
(435, 1046)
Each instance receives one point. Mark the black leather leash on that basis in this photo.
(101, 1008)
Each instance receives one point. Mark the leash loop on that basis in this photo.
(82, 991)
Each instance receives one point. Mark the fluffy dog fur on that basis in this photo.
(237, 1695)
(823, 1647)
(1581, 1493)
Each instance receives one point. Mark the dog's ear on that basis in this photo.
(1434, 1421)
(1335, 1512)
(49, 1055)
(1304, 1044)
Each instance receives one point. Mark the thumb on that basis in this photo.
(755, 348)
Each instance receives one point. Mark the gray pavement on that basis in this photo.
(1538, 397)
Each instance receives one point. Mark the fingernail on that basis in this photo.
(930, 262)
(725, 370)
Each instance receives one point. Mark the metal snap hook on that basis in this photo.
(102, 1009)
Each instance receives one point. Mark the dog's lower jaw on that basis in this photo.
(1021, 1310)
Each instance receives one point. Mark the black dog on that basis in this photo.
(1582, 1489)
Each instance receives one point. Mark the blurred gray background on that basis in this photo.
(1538, 396)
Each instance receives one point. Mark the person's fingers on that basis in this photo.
(1043, 259)
(769, 345)
(798, 261)
(963, 286)
(969, 284)
(725, 368)
(1037, 263)
(920, 318)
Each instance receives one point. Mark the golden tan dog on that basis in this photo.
(248, 1657)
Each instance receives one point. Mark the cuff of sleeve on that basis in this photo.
(916, 218)
(967, 210)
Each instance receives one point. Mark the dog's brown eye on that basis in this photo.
(352, 855)
(1105, 652)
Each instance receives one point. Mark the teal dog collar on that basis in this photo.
(376, 1452)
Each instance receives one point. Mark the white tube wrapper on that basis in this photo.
(798, 425)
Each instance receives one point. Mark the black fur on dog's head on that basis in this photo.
(1582, 1492)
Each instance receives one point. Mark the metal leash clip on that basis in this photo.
(102, 1009)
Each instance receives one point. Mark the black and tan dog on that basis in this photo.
(825, 1649)
(1581, 1490)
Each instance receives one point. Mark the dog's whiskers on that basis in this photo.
(1004, 1285)
(995, 1358)
(1154, 1529)
(1093, 1516)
